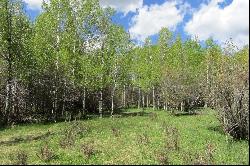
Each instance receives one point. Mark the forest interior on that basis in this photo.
(75, 88)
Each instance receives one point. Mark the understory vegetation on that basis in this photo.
(73, 63)
(129, 139)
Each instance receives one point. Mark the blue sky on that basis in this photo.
(219, 19)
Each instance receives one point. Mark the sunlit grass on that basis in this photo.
(120, 140)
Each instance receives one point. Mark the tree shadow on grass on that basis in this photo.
(2, 128)
(230, 139)
(27, 138)
(119, 114)
(133, 114)
(185, 113)
(217, 128)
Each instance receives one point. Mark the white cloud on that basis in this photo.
(124, 6)
(34, 4)
(221, 23)
(150, 19)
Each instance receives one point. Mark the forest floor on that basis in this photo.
(155, 137)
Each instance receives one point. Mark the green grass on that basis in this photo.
(195, 133)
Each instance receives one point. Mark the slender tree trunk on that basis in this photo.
(8, 98)
(64, 96)
(100, 104)
(132, 97)
(102, 83)
(124, 96)
(54, 110)
(158, 102)
(143, 100)
(84, 102)
(182, 108)
(63, 108)
(153, 97)
(139, 98)
(208, 85)
(112, 104)
(164, 103)
(112, 100)
(147, 101)
(14, 98)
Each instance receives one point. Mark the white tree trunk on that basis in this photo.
(153, 97)
(8, 99)
(112, 104)
(9, 63)
(84, 102)
(147, 101)
(132, 97)
(112, 100)
(164, 102)
(143, 100)
(124, 96)
(63, 106)
(14, 94)
(208, 84)
(100, 104)
(139, 98)
(182, 109)
(57, 68)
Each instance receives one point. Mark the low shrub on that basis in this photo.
(46, 153)
(88, 150)
(21, 158)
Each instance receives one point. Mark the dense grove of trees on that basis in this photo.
(73, 61)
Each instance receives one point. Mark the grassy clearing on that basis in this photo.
(158, 138)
